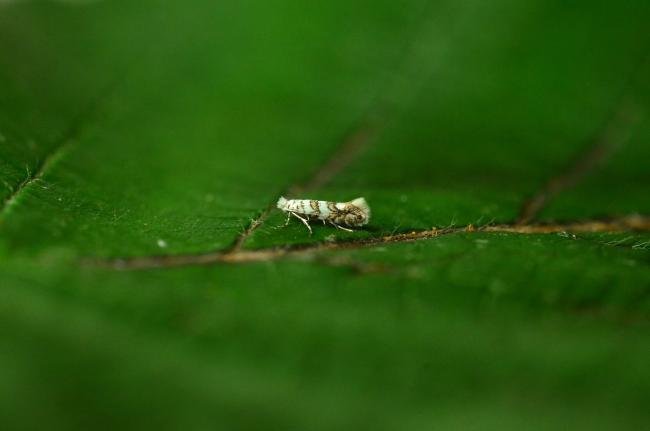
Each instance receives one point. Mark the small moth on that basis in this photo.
(354, 213)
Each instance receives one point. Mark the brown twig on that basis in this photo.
(623, 224)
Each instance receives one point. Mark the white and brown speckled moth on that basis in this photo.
(353, 214)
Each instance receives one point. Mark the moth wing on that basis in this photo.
(362, 204)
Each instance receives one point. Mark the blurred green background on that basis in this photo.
(131, 129)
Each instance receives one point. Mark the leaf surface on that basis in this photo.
(147, 281)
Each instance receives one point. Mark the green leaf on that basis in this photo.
(147, 280)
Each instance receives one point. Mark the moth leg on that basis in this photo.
(288, 218)
(341, 227)
(302, 220)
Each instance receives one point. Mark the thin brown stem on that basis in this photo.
(624, 224)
